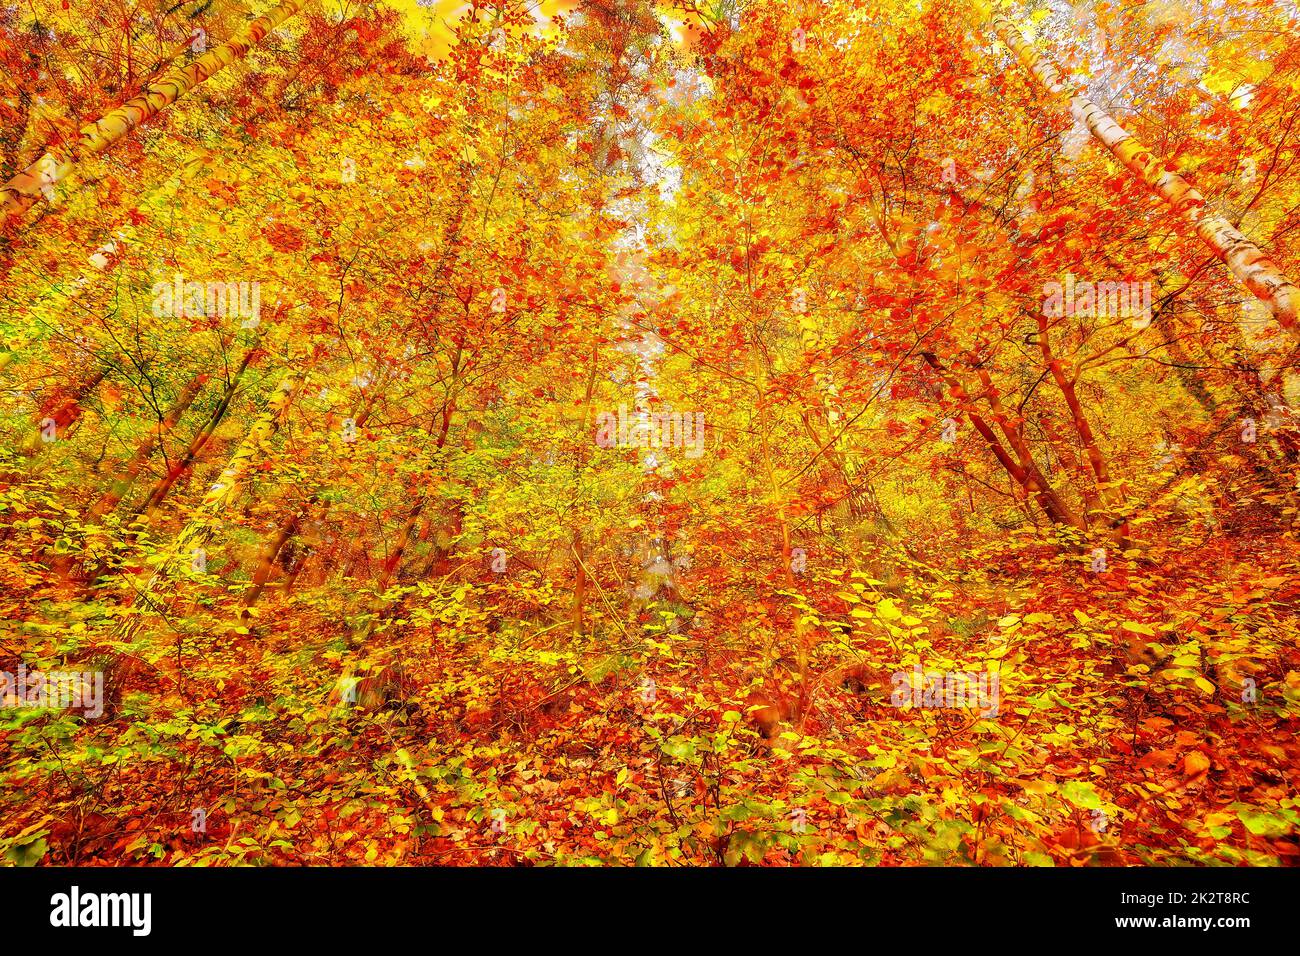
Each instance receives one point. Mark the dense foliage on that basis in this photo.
(578, 432)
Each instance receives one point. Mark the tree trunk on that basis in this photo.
(1025, 471)
(1092, 451)
(23, 189)
(64, 413)
(266, 561)
(198, 531)
(1247, 262)
(110, 499)
(164, 485)
(576, 542)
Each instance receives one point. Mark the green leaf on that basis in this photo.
(1081, 794)
(28, 853)
(1263, 824)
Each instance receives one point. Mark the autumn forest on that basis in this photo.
(649, 432)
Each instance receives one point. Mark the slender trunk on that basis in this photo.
(404, 536)
(290, 526)
(1247, 262)
(803, 635)
(224, 492)
(64, 413)
(1087, 483)
(39, 178)
(811, 343)
(164, 485)
(198, 531)
(843, 470)
(1038, 482)
(580, 583)
(1092, 451)
(447, 261)
(413, 516)
(266, 561)
(783, 523)
(110, 499)
(1025, 474)
(142, 517)
(579, 554)
(62, 564)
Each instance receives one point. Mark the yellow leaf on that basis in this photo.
(887, 610)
